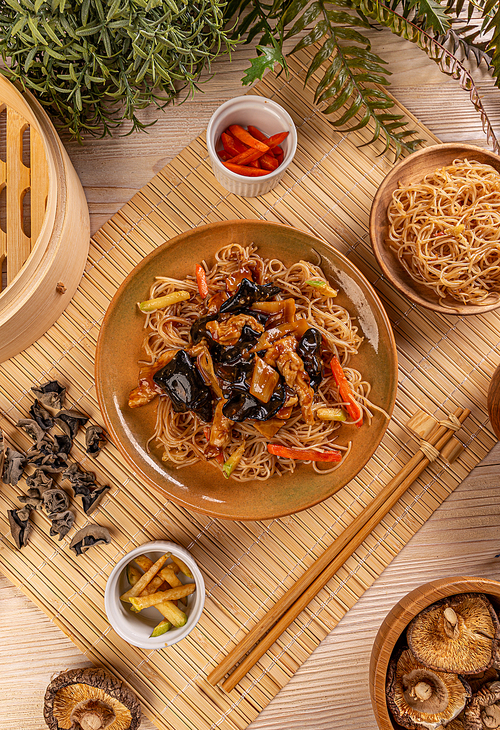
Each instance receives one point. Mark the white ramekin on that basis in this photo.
(270, 118)
(136, 628)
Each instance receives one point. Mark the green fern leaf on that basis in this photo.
(434, 15)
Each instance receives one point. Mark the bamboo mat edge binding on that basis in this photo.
(443, 363)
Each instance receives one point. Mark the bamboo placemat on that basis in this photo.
(444, 362)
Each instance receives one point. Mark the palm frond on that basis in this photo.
(445, 59)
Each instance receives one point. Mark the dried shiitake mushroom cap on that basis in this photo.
(90, 699)
(483, 713)
(457, 634)
(419, 697)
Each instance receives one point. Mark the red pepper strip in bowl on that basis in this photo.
(245, 137)
(245, 171)
(352, 407)
(304, 454)
(201, 280)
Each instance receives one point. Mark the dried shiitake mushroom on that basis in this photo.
(90, 699)
(419, 697)
(457, 634)
(483, 713)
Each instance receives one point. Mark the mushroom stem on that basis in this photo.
(450, 622)
(91, 721)
(421, 691)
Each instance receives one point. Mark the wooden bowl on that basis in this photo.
(43, 244)
(199, 486)
(412, 169)
(395, 623)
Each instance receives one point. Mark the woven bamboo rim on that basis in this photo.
(44, 269)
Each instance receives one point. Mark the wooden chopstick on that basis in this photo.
(288, 607)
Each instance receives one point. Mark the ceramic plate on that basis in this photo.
(201, 487)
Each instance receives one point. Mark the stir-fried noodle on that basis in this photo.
(183, 436)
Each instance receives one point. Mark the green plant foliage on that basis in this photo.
(351, 77)
(93, 64)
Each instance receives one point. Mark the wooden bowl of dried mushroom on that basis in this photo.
(435, 662)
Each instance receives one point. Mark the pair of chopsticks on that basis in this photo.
(261, 637)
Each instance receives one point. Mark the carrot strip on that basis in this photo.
(244, 170)
(267, 162)
(247, 138)
(256, 164)
(304, 454)
(231, 145)
(223, 155)
(352, 406)
(246, 157)
(260, 136)
(201, 280)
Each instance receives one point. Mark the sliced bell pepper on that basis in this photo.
(304, 454)
(352, 407)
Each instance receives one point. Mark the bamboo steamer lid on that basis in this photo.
(44, 226)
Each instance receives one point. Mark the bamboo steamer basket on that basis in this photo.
(43, 245)
(395, 623)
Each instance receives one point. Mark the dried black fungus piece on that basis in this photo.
(82, 482)
(182, 382)
(33, 499)
(63, 443)
(62, 523)
(13, 467)
(39, 480)
(51, 394)
(89, 536)
(70, 422)
(33, 429)
(94, 438)
(92, 500)
(309, 351)
(55, 501)
(48, 457)
(41, 416)
(20, 526)
(247, 294)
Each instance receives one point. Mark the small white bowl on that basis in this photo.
(270, 118)
(136, 628)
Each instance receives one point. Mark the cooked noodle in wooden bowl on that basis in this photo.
(435, 228)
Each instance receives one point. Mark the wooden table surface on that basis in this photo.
(462, 537)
